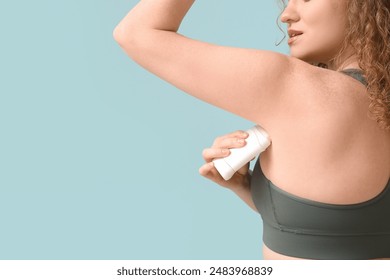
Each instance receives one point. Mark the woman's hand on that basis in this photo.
(220, 149)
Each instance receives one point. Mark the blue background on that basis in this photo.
(99, 159)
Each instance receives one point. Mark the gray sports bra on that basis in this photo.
(302, 228)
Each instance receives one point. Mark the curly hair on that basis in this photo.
(368, 32)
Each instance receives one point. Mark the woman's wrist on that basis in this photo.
(243, 191)
(242, 185)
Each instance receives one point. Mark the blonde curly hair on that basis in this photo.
(368, 32)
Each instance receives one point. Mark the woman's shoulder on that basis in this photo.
(319, 99)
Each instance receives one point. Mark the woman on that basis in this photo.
(322, 187)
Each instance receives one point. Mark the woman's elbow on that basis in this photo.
(128, 39)
(116, 33)
(120, 35)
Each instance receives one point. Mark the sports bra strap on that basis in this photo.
(356, 74)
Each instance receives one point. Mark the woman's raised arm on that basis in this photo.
(254, 84)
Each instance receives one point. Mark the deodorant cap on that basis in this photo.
(224, 169)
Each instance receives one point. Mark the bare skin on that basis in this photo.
(324, 147)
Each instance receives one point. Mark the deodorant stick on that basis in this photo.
(257, 141)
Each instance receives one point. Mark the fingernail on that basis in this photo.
(241, 141)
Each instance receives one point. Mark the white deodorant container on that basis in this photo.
(257, 141)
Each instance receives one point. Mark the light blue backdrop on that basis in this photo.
(99, 158)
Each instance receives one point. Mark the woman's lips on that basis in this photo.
(293, 38)
(293, 34)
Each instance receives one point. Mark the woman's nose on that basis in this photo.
(290, 13)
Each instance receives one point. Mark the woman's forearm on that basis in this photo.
(154, 14)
